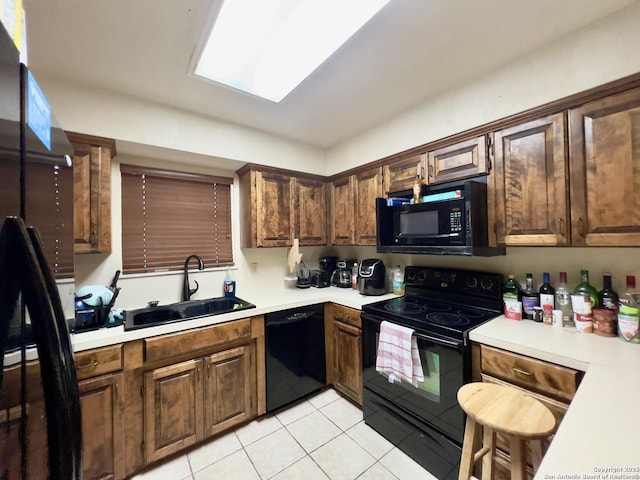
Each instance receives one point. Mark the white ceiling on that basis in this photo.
(412, 50)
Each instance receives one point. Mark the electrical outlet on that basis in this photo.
(254, 267)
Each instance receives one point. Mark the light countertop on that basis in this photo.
(600, 429)
(266, 301)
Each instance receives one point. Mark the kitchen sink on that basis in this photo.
(177, 312)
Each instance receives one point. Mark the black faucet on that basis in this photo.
(186, 291)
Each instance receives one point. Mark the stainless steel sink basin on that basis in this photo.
(176, 312)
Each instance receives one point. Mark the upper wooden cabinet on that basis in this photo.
(352, 217)
(401, 174)
(457, 161)
(92, 192)
(278, 207)
(529, 183)
(604, 144)
(545, 192)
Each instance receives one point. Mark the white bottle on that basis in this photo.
(398, 281)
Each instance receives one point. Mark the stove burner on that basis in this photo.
(398, 305)
(470, 313)
(437, 306)
(450, 319)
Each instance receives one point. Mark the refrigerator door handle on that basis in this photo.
(22, 260)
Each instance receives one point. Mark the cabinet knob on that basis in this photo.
(561, 226)
(521, 372)
(581, 227)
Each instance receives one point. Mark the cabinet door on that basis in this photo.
(368, 187)
(311, 201)
(458, 161)
(605, 171)
(91, 196)
(37, 466)
(228, 389)
(347, 365)
(172, 400)
(401, 175)
(342, 211)
(274, 205)
(530, 183)
(102, 427)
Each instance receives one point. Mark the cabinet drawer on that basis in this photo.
(95, 362)
(549, 379)
(176, 344)
(347, 315)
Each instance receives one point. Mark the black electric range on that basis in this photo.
(441, 306)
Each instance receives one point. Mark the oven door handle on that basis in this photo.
(440, 341)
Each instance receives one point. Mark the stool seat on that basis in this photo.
(501, 409)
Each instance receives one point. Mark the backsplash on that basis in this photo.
(271, 266)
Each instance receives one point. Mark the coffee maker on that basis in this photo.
(341, 277)
(322, 277)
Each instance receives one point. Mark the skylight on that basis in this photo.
(268, 47)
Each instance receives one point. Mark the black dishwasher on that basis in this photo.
(295, 354)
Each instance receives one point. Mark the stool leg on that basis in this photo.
(469, 446)
(518, 458)
(538, 449)
(489, 443)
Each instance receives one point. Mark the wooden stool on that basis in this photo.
(500, 409)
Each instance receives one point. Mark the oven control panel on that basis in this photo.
(462, 282)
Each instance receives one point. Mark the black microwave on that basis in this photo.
(450, 219)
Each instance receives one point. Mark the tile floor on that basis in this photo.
(323, 437)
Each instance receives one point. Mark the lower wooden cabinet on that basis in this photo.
(37, 467)
(343, 329)
(191, 400)
(551, 384)
(102, 427)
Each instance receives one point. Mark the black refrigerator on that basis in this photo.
(36, 250)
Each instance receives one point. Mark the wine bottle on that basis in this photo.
(530, 298)
(563, 301)
(585, 288)
(608, 297)
(630, 295)
(547, 292)
(511, 289)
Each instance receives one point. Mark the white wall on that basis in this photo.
(95, 111)
(601, 53)
(598, 54)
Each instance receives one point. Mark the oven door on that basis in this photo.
(433, 401)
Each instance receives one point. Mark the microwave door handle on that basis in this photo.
(59, 383)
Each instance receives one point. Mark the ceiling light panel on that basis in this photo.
(268, 47)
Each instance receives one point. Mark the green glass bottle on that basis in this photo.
(585, 288)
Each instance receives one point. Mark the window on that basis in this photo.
(167, 216)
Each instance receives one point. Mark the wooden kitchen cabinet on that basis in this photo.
(102, 404)
(102, 427)
(464, 159)
(191, 400)
(352, 217)
(545, 192)
(341, 215)
(343, 333)
(172, 408)
(11, 416)
(529, 189)
(604, 139)
(92, 192)
(277, 207)
(228, 395)
(551, 384)
(400, 175)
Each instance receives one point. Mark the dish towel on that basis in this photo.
(398, 355)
